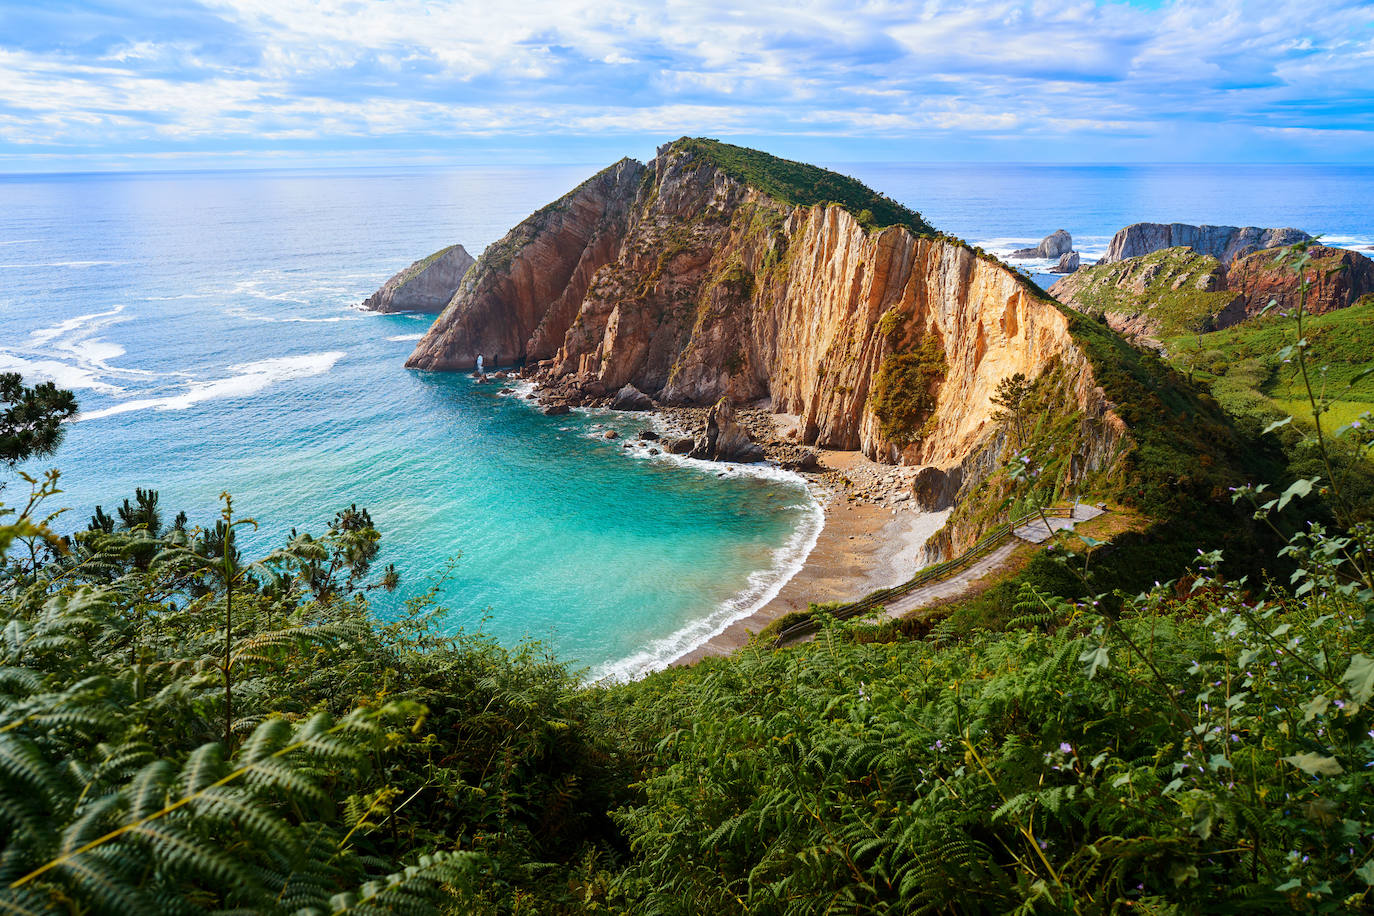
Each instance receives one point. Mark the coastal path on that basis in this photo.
(953, 577)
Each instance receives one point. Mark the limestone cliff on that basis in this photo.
(425, 286)
(715, 272)
(1225, 243)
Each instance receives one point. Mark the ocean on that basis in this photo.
(208, 323)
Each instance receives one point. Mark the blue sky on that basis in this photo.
(159, 84)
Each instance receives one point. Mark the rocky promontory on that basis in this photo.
(1225, 243)
(719, 276)
(425, 286)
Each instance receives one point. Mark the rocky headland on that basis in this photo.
(425, 286)
(710, 274)
(767, 308)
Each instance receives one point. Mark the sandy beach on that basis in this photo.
(865, 545)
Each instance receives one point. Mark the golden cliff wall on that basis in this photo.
(692, 286)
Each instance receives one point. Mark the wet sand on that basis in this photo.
(862, 548)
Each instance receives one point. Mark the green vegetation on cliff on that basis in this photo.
(1174, 290)
(903, 396)
(1196, 750)
(1246, 374)
(803, 185)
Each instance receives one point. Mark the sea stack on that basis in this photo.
(425, 286)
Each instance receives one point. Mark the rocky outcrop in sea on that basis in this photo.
(425, 286)
(1057, 243)
(1225, 243)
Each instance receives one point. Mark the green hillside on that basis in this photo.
(803, 185)
(1244, 370)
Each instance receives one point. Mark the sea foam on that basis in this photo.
(249, 378)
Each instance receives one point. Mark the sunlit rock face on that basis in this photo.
(693, 285)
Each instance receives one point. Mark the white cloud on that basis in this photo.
(322, 71)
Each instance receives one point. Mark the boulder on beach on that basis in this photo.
(725, 439)
(935, 488)
(648, 435)
(610, 434)
(681, 446)
(557, 410)
(631, 398)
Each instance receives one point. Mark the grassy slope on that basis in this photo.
(805, 185)
(1241, 361)
(1109, 288)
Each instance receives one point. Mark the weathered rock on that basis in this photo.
(1336, 279)
(804, 460)
(681, 446)
(557, 410)
(631, 398)
(653, 451)
(1225, 243)
(425, 286)
(506, 391)
(1057, 243)
(648, 435)
(520, 299)
(1068, 263)
(725, 439)
(610, 434)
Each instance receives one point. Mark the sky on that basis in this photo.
(162, 84)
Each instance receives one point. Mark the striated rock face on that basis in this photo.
(425, 286)
(1225, 243)
(1336, 279)
(696, 287)
(1057, 243)
(519, 300)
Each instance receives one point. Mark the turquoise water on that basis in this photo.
(207, 324)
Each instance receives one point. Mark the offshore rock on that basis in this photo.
(631, 398)
(1068, 263)
(725, 439)
(425, 286)
(1225, 243)
(1057, 243)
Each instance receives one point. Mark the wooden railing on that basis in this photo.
(989, 542)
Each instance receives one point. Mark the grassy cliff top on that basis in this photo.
(805, 185)
(1175, 287)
